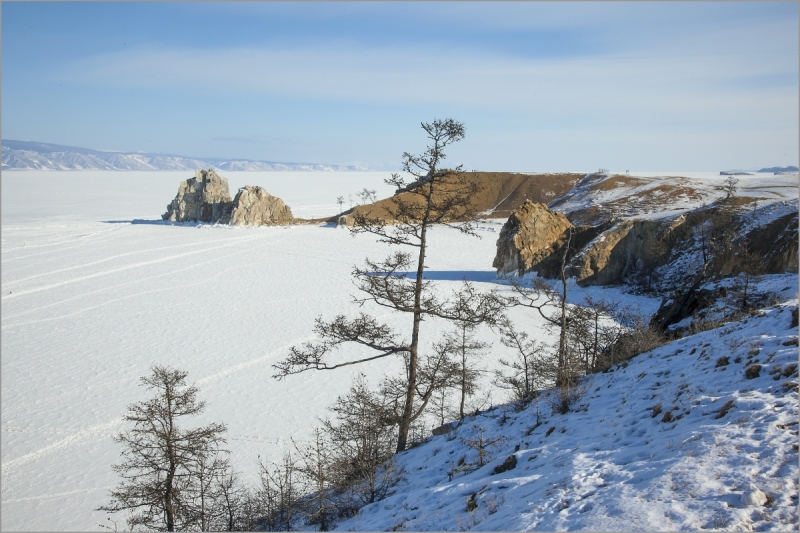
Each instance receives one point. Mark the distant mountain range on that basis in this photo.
(29, 155)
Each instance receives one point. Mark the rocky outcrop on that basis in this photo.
(530, 236)
(204, 198)
(253, 206)
(625, 247)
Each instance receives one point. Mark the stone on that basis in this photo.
(204, 198)
(509, 464)
(530, 236)
(253, 206)
(753, 497)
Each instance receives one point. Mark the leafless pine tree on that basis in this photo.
(316, 465)
(362, 442)
(437, 195)
(160, 462)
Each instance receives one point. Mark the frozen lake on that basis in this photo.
(90, 301)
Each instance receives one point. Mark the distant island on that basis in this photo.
(31, 155)
(774, 170)
(779, 169)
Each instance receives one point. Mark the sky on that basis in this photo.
(539, 86)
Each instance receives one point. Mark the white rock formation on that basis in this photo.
(204, 198)
(253, 206)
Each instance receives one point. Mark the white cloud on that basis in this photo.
(688, 80)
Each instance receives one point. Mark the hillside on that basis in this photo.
(501, 193)
(680, 438)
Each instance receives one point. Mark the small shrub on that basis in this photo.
(532, 429)
(509, 464)
(722, 361)
(667, 417)
(724, 409)
(549, 431)
(720, 521)
(472, 502)
(790, 370)
(493, 503)
(752, 371)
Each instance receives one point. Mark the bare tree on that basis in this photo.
(204, 503)
(160, 460)
(280, 495)
(530, 369)
(750, 266)
(362, 442)
(317, 468)
(728, 187)
(231, 502)
(552, 306)
(340, 201)
(367, 195)
(436, 196)
(464, 347)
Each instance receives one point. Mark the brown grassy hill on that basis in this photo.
(501, 193)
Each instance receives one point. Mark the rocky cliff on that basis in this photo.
(205, 198)
(532, 235)
(639, 249)
(253, 206)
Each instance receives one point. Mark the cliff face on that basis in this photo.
(532, 235)
(617, 250)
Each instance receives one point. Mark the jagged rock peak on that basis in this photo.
(531, 235)
(253, 206)
(204, 198)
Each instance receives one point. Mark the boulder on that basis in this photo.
(530, 236)
(753, 497)
(253, 206)
(204, 198)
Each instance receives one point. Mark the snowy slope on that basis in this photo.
(658, 195)
(617, 463)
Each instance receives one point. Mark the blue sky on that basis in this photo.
(563, 86)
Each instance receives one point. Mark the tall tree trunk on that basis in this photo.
(405, 421)
(561, 376)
